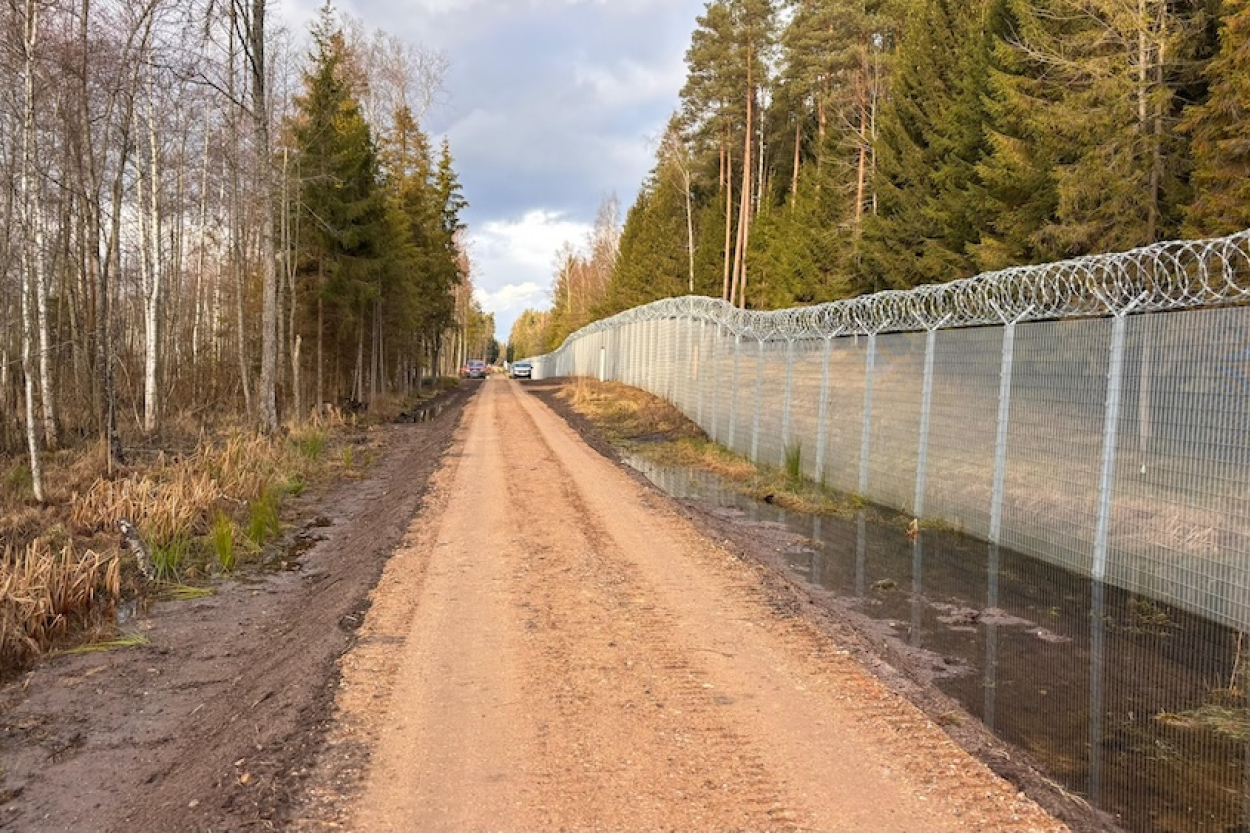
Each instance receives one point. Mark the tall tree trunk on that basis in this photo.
(29, 253)
(197, 321)
(47, 392)
(798, 145)
(861, 168)
(738, 288)
(727, 176)
(267, 409)
(295, 380)
(321, 329)
(152, 272)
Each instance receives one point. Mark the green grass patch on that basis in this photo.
(794, 464)
(309, 444)
(129, 640)
(263, 520)
(169, 556)
(222, 541)
(185, 592)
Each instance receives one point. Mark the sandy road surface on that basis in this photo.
(554, 647)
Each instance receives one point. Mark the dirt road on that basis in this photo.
(554, 647)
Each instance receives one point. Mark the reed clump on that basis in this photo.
(204, 503)
(48, 594)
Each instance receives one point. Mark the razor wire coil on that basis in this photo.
(1166, 276)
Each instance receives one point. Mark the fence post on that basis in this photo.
(990, 672)
(785, 416)
(691, 362)
(1005, 370)
(926, 406)
(699, 378)
(865, 443)
(759, 403)
(733, 392)
(1110, 435)
(716, 351)
(823, 409)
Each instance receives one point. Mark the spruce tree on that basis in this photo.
(652, 262)
(1110, 75)
(345, 221)
(1221, 142)
(1018, 170)
(931, 140)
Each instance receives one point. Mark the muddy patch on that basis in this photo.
(212, 724)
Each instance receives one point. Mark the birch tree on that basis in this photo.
(31, 246)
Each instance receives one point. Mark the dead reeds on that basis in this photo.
(197, 513)
(46, 595)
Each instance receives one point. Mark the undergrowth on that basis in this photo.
(204, 507)
(643, 424)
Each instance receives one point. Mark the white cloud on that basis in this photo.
(511, 300)
(530, 241)
(627, 83)
(514, 261)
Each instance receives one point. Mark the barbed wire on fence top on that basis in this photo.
(1173, 275)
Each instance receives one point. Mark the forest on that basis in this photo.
(824, 149)
(208, 215)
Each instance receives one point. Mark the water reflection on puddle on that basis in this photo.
(1132, 704)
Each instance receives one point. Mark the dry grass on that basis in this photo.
(1232, 723)
(46, 595)
(62, 574)
(628, 415)
(651, 427)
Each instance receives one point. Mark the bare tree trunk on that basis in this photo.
(151, 272)
(267, 395)
(197, 321)
(295, 380)
(29, 255)
(689, 227)
(321, 329)
(290, 245)
(358, 382)
(798, 145)
(727, 183)
(47, 393)
(237, 258)
(738, 288)
(375, 349)
(861, 172)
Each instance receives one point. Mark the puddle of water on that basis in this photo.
(1136, 706)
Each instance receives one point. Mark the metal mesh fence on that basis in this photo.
(1094, 413)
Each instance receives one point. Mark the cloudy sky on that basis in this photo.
(550, 106)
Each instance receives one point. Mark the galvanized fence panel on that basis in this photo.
(1094, 413)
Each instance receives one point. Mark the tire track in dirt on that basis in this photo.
(851, 754)
(642, 745)
(554, 647)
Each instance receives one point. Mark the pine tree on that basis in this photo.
(1221, 143)
(728, 60)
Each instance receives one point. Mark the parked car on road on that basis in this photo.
(474, 369)
(521, 370)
